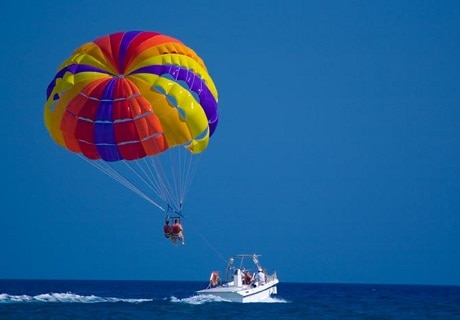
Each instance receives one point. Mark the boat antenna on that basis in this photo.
(256, 261)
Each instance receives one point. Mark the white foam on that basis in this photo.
(198, 299)
(70, 297)
(64, 298)
(274, 300)
(201, 299)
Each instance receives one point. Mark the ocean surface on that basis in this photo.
(51, 299)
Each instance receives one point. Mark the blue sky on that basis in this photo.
(336, 156)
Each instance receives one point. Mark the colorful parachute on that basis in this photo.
(133, 97)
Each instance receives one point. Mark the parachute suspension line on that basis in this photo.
(160, 174)
(165, 177)
(149, 178)
(177, 172)
(173, 171)
(108, 170)
(190, 163)
(190, 166)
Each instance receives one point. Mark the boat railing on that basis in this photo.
(271, 277)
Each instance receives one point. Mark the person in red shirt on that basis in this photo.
(177, 231)
(247, 278)
(167, 229)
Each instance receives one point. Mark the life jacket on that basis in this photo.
(247, 278)
(167, 230)
(214, 278)
(176, 229)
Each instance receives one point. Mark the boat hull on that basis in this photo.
(243, 294)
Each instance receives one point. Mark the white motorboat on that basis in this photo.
(241, 284)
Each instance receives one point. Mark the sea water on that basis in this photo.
(59, 299)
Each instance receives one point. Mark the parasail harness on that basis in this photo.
(175, 214)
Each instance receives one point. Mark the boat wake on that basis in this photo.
(202, 299)
(274, 300)
(63, 298)
(76, 298)
(198, 299)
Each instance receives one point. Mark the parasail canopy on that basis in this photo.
(135, 97)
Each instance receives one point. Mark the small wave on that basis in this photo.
(198, 299)
(274, 300)
(64, 298)
(201, 299)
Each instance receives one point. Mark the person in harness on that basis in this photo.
(177, 232)
(167, 229)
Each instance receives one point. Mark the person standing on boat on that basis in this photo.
(213, 279)
(177, 231)
(260, 277)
